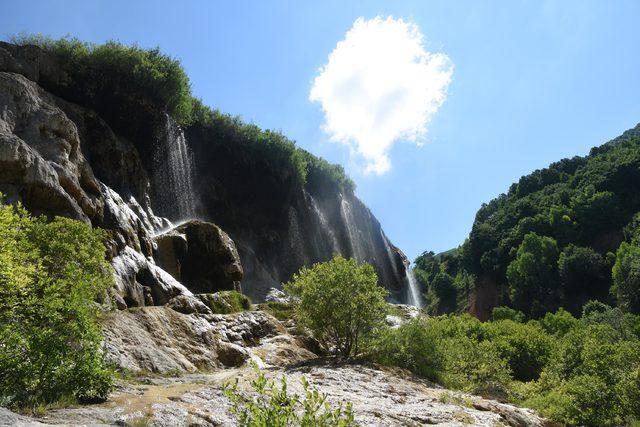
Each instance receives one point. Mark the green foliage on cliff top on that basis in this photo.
(50, 276)
(127, 84)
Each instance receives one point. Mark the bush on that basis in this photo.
(275, 407)
(525, 347)
(447, 349)
(590, 378)
(280, 310)
(558, 323)
(50, 276)
(412, 346)
(506, 313)
(573, 371)
(340, 302)
(227, 302)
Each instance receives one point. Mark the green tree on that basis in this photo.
(506, 313)
(584, 275)
(533, 277)
(339, 301)
(50, 275)
(442, 294)
(626, 277)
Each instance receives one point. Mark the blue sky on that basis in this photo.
(532, 82)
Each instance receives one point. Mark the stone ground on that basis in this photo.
(380, 397)
(196, 355)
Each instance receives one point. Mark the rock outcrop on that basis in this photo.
(200, 255)
(62, 158)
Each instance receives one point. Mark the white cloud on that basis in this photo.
(380, 85)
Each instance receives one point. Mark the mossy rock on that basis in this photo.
(226, 302)
(280, 310)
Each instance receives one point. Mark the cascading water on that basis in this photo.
(174, 174)
(324, 223)
(414, 297)
(352, 231)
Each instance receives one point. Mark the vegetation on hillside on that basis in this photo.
(553, 240)
(129, 85)
(50, 276)
(582, 371)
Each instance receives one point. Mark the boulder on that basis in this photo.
(276, 295)
(188, 304)
(199, 255)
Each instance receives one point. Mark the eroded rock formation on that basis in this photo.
(61, 158)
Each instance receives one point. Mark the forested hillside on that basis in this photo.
(560, 236)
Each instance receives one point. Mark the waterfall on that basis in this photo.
(413, 295)
(352, 231)
(174, 174)
(324, 223)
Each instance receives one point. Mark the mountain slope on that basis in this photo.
(582, 204)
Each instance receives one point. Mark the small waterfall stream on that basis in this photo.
(174, 173)
(326, 226)
(414, 297)
(354, 239)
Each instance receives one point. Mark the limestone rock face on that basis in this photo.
(201, 256)
(41, 163)
(87, 162)
(49, 149)
(160, 339)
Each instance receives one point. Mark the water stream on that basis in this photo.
(352, 232)
(414, 297)
(174, 174)
(326, 226)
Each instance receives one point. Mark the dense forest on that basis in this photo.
(560, 237)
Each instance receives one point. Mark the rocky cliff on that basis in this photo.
(61, 156)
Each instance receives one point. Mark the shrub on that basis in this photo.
(473, 366)
(506, 313)
(50, 276)
(558, 323)
(590, 378)
(280, 310)
(274, 406)
(412, 346)
(227, 302)
(340, 302)
(525, 347)
(447, 349)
